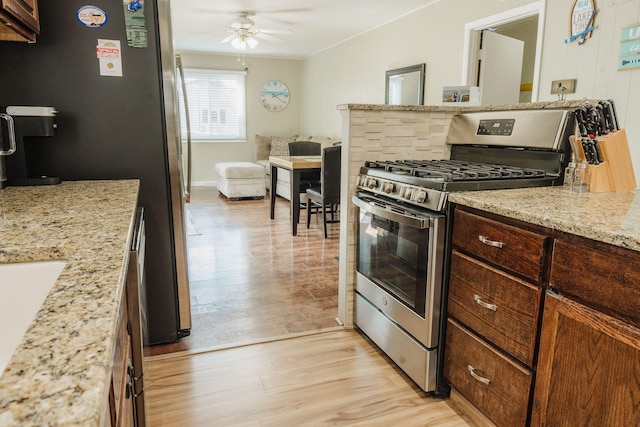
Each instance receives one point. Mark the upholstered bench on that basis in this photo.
(238, 180)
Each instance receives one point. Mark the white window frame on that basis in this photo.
(217, 102)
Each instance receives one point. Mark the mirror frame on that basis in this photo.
(407, 70)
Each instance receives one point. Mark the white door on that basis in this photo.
(500, 69)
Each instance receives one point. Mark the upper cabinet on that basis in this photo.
(19, 19)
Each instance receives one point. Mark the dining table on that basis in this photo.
(297, 165)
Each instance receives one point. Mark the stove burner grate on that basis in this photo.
(454, 170)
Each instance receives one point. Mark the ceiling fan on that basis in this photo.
(244, 33)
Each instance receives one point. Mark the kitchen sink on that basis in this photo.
(24, 287)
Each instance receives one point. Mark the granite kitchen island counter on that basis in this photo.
(607, 217)
(60, 373)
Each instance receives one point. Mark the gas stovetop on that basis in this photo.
(453, 170)
(426, 183)
(489, 151)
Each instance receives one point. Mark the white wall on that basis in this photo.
(259, 119)
(595, 63)
(353, 72)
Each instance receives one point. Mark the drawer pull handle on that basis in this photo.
(478, 377)
(490, 242)
(477, 299)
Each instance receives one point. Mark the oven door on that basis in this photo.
(399, 264)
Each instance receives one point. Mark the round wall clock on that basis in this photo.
(274, 95)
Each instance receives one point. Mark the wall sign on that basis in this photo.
(581, 21)
(91, 16)
(629, 48)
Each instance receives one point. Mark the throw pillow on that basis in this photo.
(279, 145)
(263, 147)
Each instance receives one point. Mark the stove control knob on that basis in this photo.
(371, 183)
(421, 196)
(388, 187)
(407, 193)
(359, 181)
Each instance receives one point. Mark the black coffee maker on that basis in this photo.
(31, 125)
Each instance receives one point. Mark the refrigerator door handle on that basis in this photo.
(187, 195)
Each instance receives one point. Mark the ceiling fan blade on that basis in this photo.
(228, 38)
(267, 37)
(273, 31)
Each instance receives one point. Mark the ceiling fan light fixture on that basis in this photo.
(252, 42)
(241, 41)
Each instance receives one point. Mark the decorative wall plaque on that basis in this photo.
(581, 21)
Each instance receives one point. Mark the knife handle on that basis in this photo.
(596, 145)
(614, 115)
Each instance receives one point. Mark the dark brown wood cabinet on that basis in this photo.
(589, 363)
(486, 377)
(589, 368)
(19, 20)
(120, 395)
(510, 247)
(125, 405)
(502, 308)
(580, 353)
(498, 269)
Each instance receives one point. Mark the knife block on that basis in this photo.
(616, 172)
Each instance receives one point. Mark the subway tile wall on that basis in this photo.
(380, 135)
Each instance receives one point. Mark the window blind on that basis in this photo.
(217, 105)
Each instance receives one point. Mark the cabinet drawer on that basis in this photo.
(505, 400)
(606, 280)
(26, 11)
(505, 245)
(501, 308)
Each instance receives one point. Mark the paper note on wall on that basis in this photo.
(109, 56)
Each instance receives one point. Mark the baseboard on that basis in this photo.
(204, 183)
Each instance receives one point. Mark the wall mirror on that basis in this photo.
(405, 86)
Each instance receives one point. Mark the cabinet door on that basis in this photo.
(588, 368)
(26, 11)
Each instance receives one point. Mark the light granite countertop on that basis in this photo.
(461, 108)
(59, 374)
(608, 217)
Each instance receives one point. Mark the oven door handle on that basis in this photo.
(411, 221)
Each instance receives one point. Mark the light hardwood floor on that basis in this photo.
(327, 379)
(250, 279)
(252, 282)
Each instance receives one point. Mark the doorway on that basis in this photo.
(525, 23)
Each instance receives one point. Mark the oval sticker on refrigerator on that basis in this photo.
(91, 16)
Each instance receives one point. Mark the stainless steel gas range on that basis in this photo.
(404, 225)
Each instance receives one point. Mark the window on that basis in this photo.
(217, 105)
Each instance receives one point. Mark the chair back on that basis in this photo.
(304, 148)
(330, 178)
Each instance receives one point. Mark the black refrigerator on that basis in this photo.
(113, 127)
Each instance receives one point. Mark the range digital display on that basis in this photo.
(499, 127)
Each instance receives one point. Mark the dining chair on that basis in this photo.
(306, 148)
(328, 194)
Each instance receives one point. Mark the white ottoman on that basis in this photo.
(238, 180)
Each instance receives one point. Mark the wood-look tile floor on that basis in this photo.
(250, 279)
(327, 379)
